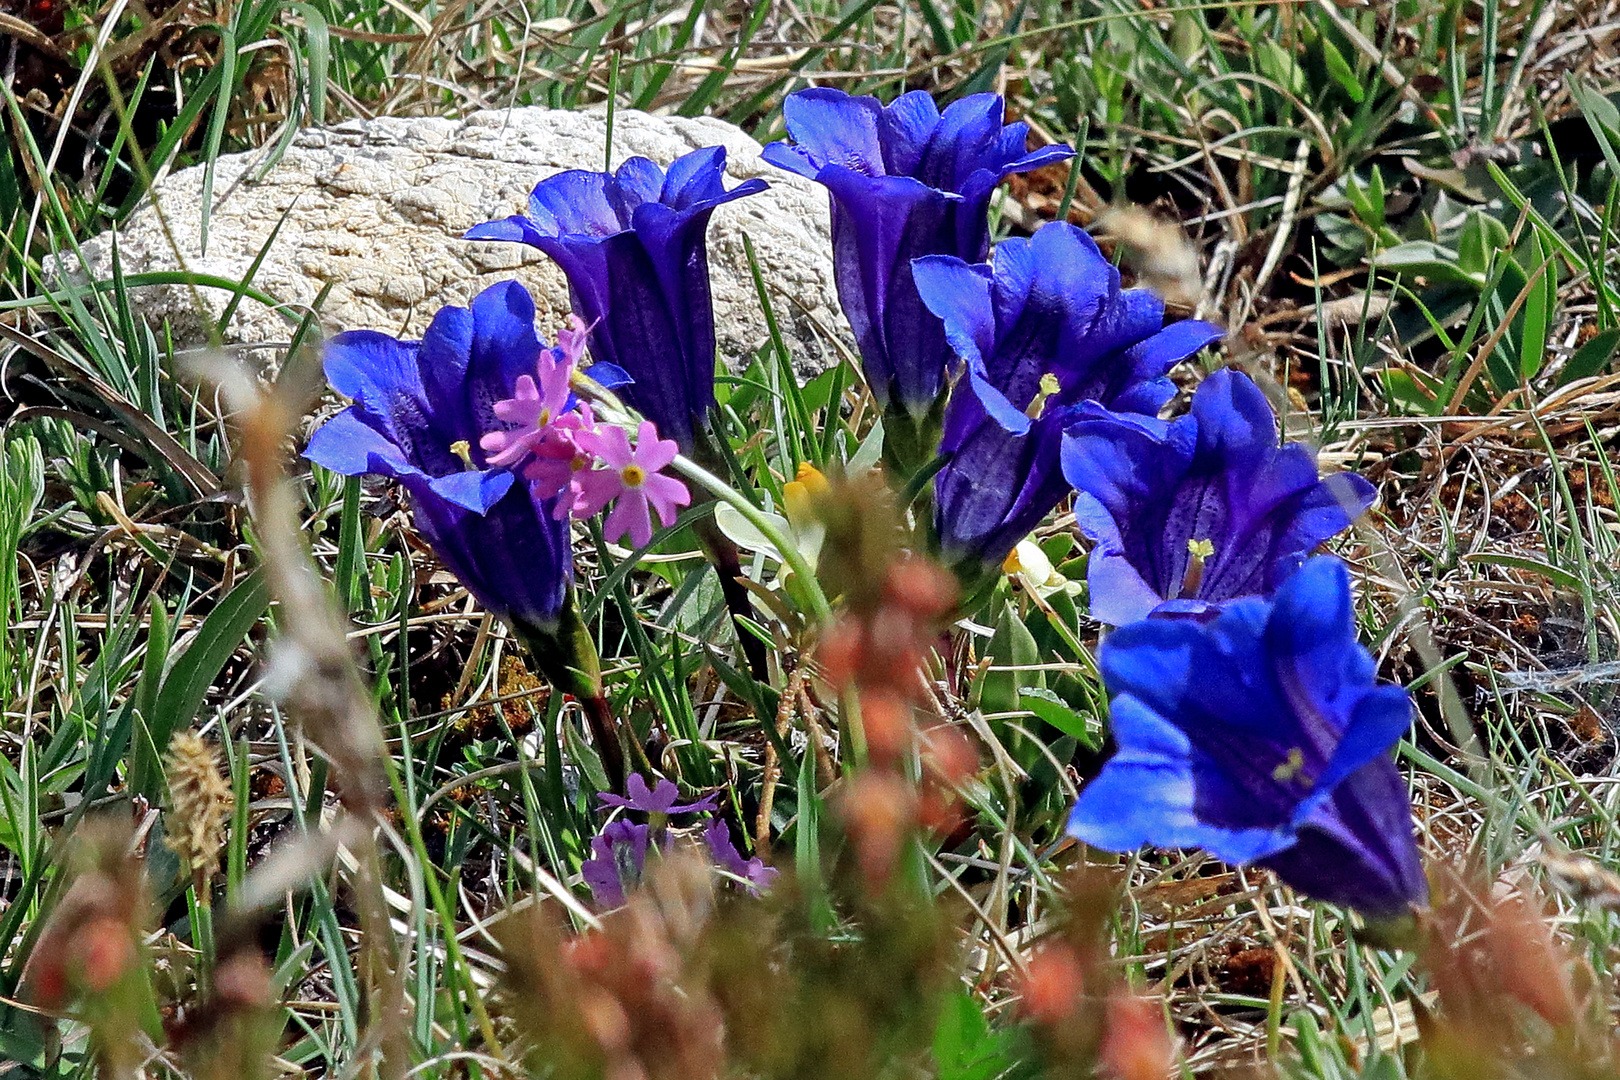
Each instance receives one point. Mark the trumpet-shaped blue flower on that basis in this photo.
(419, 411)
(633, 246)
(906, 181)
(1001, 476)
(1201, 509)
(1261, 736)
(1052, 305)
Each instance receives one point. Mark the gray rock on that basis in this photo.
(376, 208)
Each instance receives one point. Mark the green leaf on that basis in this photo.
(186, 683)
(1482, 236)
(1592, 357)
(1602, 117)
(966, 1048)
(1538, 308)
(1426, 259)
(1341, 71)
(1280, 65)
(1011, 646)
(1051, 708)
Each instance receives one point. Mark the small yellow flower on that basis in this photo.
(799, 494)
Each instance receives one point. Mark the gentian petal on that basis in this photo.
(609, 376)
(1150, 791)
(350, 446)
(1215, 478)
(905, 128)
(476, 489)
(1153, 356)
(373, 369)
(1261, 735)
(906, 182)
(830, 127)
(517, 228)
(421, 414)
(632, 245)
(959, 294)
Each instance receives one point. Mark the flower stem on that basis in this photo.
(789, 551)
(567, 657)
(727, 563)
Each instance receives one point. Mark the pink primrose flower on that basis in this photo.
(632, 478)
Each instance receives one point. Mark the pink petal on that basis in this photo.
(571, 342)
(596, 489)
(665, 493)
(523, 407)
(554, 385)
(608, 442)
(517, 445)
(549, 476)
(653, 453)
(629, 516)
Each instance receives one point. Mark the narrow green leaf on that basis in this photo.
(1341, 71)
(1538, 309)
(186, 683)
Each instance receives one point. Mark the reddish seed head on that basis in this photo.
(1135, 1044)
(589, 954)
(951, 755)
(920, 588)
(840, 652)
(1052, 987)
(878, 809)
(243, 981)
(103, 952)
(938, 811)
(887, 720)
(604, 1018)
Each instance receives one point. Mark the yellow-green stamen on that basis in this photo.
(1199, 552)
(1037, 405)
(463, 450)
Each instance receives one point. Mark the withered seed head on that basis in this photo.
(199, 803)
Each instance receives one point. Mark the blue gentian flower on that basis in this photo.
(906, 181)
(1002, 475)
(1261, 736)
(1201, 509)
(419, 411)
(632, 244)
(1052, 305)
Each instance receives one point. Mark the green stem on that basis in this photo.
(567, 657)
(789, 551)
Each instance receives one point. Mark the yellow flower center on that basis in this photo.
(463, 450)
(543, 419)
(632, 475)
(1289, 769)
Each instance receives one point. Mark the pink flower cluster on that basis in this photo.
(566, 454)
